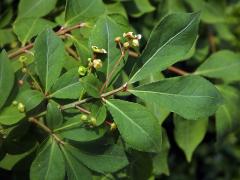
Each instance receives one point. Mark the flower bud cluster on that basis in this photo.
(91, 121)
(129, 40)
(20, 106)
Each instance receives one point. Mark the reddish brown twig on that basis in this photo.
(61, 32)
(81, 109)
(46, 129)
(178, 71)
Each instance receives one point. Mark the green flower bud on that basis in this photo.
(82, 70)
(22, 59)
(14, 103)
(113, 126)
(24, 70)
(93, 121)
(84, 117)
(21, 107)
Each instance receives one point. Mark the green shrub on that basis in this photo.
(88, 90)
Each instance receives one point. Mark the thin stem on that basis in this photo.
(46, 129)
(34, 80)
(109, 76)
(41, 114)
(20, 51)
(211, 40)
(83, 110)
(105, 95)
(76, 103)
(72, 53)
(122, 88)
(61, 32)
(178, 71)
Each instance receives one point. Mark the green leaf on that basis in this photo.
(26, 28)
(49, 163)
(187, 96)
(118, 7)
(82, 48)
(108, 161)
(67, 86)
(10, 115)
(107, 28)
(223, 64)
(6, 78)
(6, 36)
(6, 17)
(99, 112)
(189, 134)
(49, 57)
(170, 41)
(19, 140)
(92, 85)
(75, 169)
(211, 11)
(35, 8)
(137, 8)
(74, 129)
(227, 116)
(82, 10)
(9, 161)
(54, 117)
(159, 112)
(160, 160)
(141, 166)
(30, 98)
(138, 127)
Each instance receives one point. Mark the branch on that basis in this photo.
(178, 71)
(211, 40)
(61, 32)
(122, 88)
(46, 129)
(77, 103)
(83, 110)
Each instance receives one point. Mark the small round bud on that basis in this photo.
(135, 42)
(139, 36)
(113, 126)
(97, 63)
(21, 107)
(117, 39)
(84, 117)
(89, 59)
(126, 45)
(93, 121)
(14, 103)
(24, 70)
(22, 59)
(128, 35)
(82, 70)
(20, 82)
